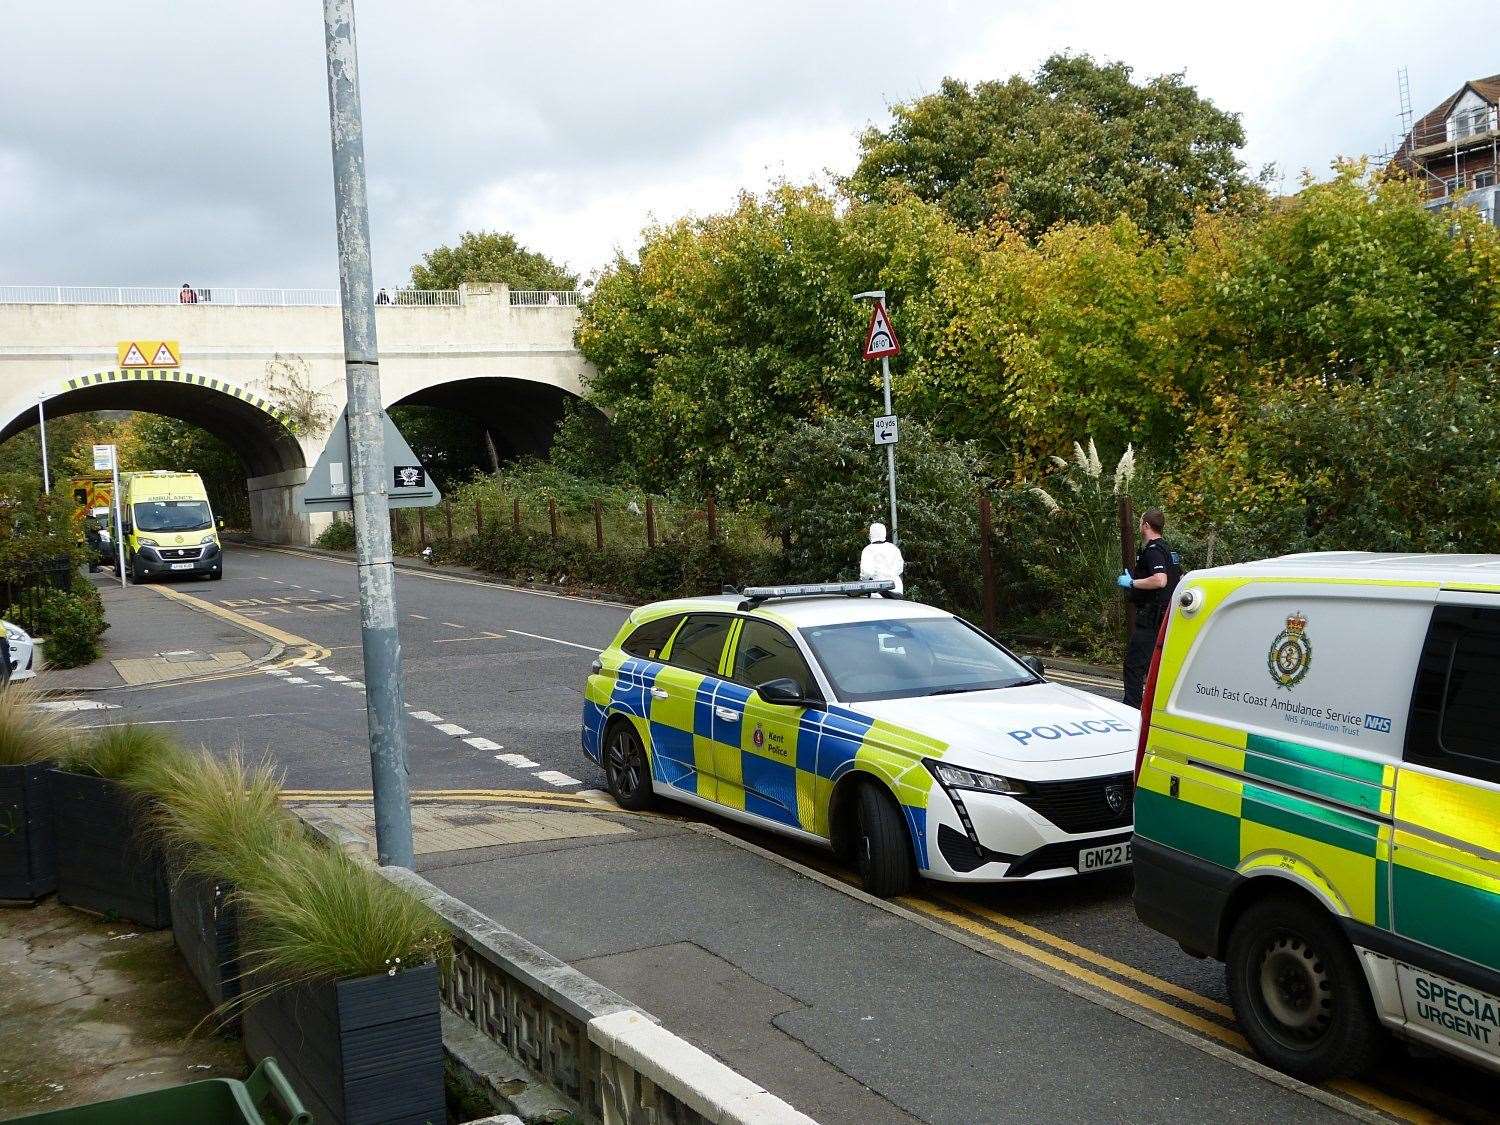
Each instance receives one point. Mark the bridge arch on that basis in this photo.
(256, 430)
(519, 414)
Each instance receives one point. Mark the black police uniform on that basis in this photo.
(1153, 558)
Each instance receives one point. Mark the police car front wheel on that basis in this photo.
(1299, 993)
(626, 770)
(882, 848)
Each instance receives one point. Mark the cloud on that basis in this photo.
(156, 142)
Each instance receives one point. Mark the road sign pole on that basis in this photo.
(372, 534)
(890, 450)
(116, 501)
(41, 422)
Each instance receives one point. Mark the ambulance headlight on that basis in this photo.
(207, 539)
(956, 777)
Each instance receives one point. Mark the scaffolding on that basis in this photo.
(1456, 152)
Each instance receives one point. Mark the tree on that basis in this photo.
(153, 441)
(725, 331)
(1080, 142)
(489, 256)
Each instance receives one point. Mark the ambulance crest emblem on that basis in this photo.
(1290, 655)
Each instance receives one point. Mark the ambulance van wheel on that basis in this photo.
(882, 847)
(1299, 993)
(626, 771)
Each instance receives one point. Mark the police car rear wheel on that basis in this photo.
(1299, 993)
(882, 847)
(626, 771)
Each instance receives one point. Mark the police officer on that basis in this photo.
(1146, 587)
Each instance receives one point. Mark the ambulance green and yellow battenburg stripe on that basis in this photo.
(762, 761)
(1345, 825)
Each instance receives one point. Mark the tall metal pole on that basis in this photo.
(119, 507)
(890, 450)
(41, 421)
(372, 532)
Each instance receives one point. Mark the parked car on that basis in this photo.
(17, 653)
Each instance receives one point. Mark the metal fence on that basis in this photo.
(209, 295)
(543, 298)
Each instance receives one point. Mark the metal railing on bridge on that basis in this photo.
(210, 295)
(543, 298)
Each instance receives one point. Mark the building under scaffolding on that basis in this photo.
(1454, 147)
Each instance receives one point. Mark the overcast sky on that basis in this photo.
(157, 142)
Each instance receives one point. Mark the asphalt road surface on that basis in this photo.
(493, 682)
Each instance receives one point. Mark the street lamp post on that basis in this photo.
(381, 643)
(41, 422)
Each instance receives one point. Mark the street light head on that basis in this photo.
(871, 295)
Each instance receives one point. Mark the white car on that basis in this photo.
(22, 654)
(899, 734)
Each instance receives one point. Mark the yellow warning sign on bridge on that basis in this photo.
(148, 353)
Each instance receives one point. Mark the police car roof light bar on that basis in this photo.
(758, 595)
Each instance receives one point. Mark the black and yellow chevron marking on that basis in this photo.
(168, 375)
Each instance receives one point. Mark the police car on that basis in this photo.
(838, 714)
(18, 657)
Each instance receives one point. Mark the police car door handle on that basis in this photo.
(658, 693)
(728, 714)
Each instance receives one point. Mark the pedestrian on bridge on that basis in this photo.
(187, 295)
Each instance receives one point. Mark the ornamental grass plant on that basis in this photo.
(27, 733)
(312, 913)
(120, 753)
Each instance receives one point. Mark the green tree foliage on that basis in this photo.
(451, 445)
(727, 330)
(1080, 142)
(489, 256)
(1404, 461)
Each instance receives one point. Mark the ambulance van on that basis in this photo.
(1318, 801)
(169, 527)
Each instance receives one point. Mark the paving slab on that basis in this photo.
(849, 1012)
(91, 1010)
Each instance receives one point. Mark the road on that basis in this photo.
(493, 678)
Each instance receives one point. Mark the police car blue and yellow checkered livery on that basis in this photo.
(896, 732)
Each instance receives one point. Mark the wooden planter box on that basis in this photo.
(358, 1052)
(205, 925)
(104, 864)
(28, 847)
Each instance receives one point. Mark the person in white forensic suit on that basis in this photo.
(881, 561)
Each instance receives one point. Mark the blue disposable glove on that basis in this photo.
(1124, 581)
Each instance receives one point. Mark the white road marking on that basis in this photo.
(454, 625)
(555, 640)
(556, 777)
(278, 582)
(322, 669)
(296, 679)
(452, 730)
(427, 716)
(75, 705)
(338, 679)
(262, 578)
(276, 671)
(357, 684)
(418, 616)
(520, 761)
(483, 743)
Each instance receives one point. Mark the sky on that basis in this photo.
(158, 142)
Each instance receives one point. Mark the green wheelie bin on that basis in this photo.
(265, 1098)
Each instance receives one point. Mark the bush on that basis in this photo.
(71, 622)
(338, 536)
(27, 734)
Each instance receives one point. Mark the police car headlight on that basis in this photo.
(16, 634)
(956, 777)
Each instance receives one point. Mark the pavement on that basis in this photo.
(952, 1004)
(92, 1010)
(153, 639)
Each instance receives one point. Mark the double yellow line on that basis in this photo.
(455, 796)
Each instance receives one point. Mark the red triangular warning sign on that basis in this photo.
(134, 358)
(880, 340)
(164, 357)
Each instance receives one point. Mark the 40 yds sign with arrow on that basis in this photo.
(880, 339)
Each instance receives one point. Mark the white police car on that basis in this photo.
(899, 734)
(21, 653)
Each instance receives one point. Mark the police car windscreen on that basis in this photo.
(172, 515)
(912, 657)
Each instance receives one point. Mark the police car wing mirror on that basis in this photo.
(1036, 665)
(785, 691)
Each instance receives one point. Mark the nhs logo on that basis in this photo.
(1378, 723)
